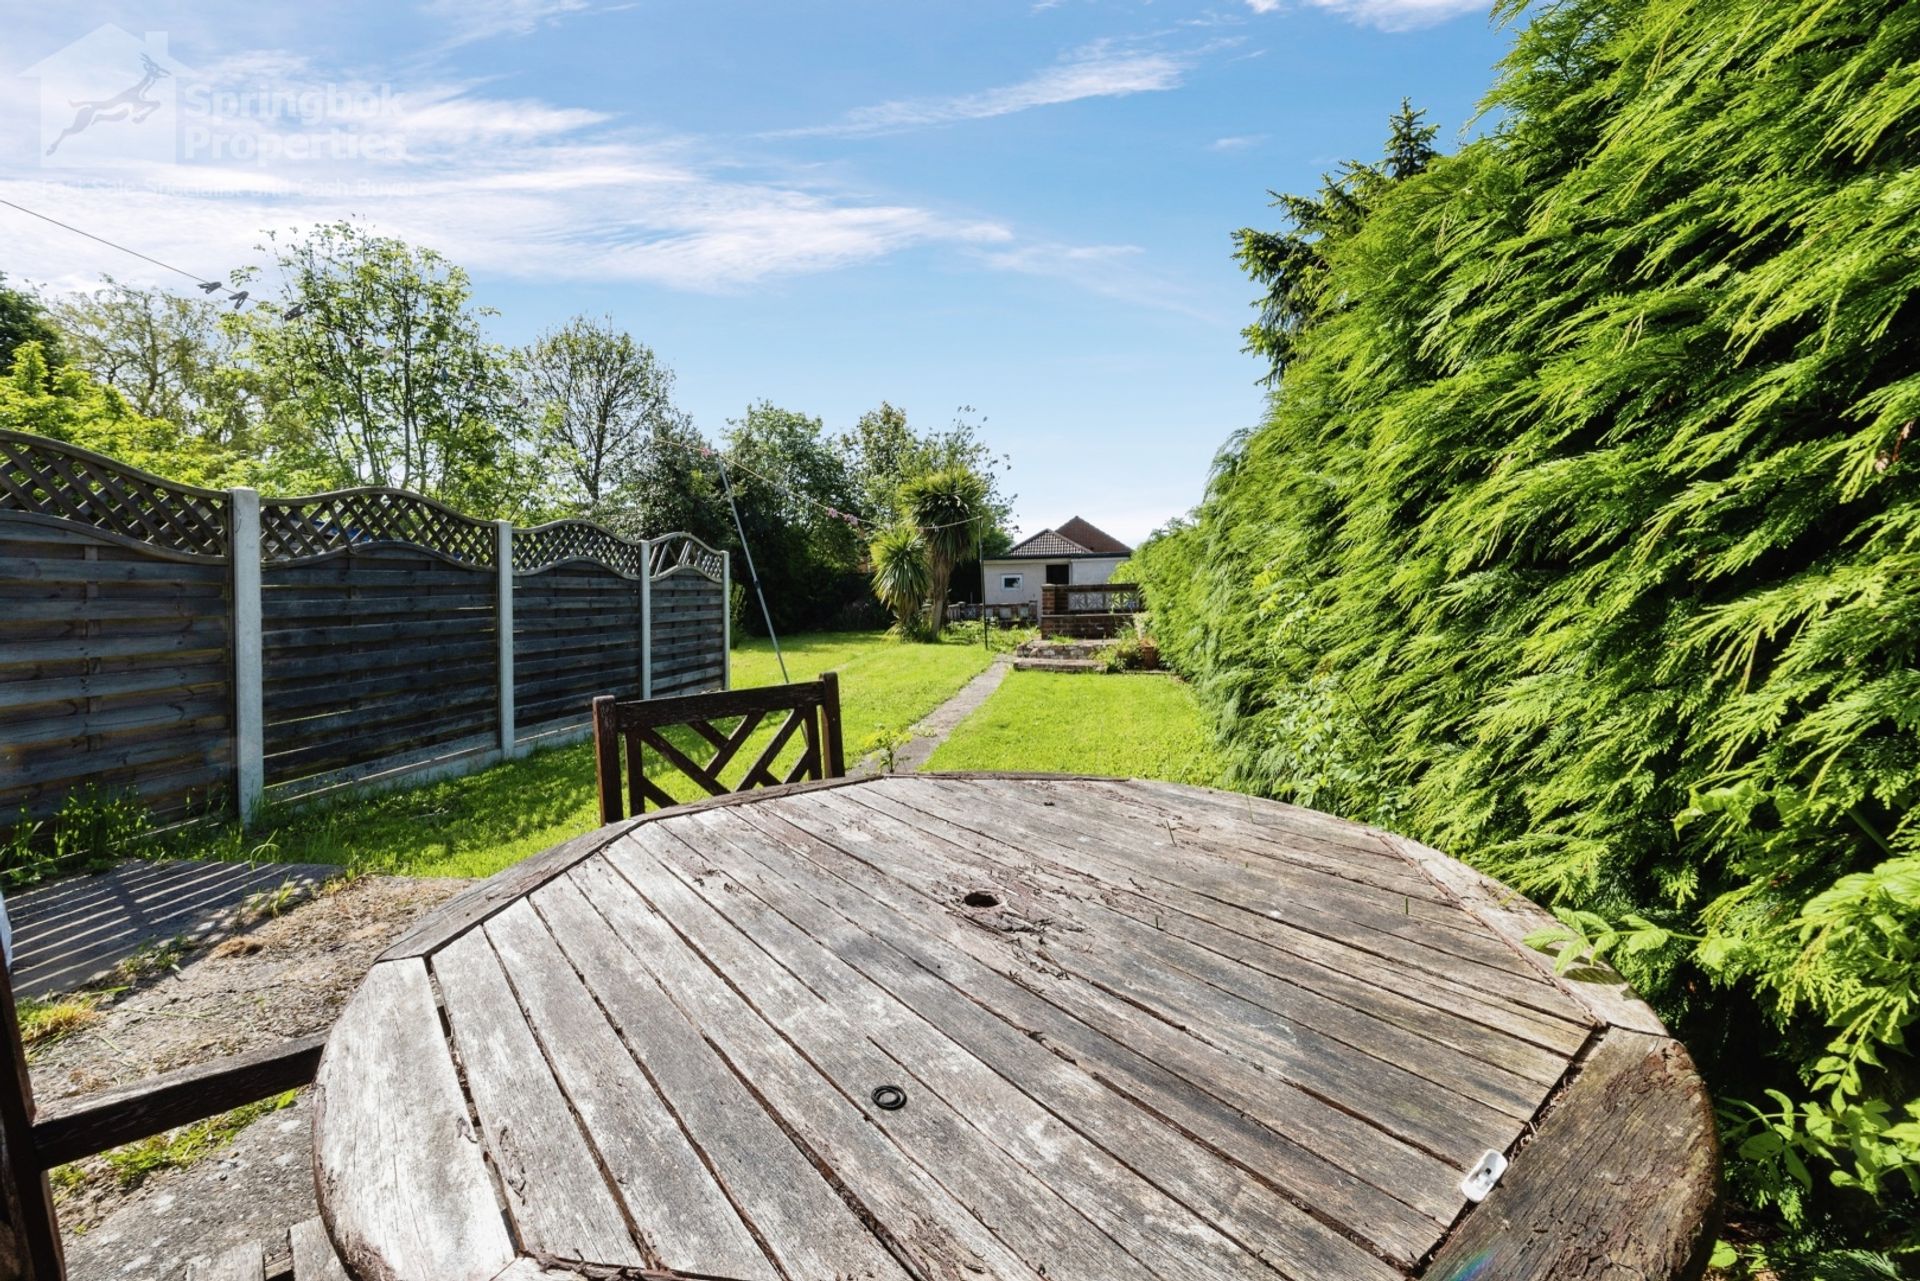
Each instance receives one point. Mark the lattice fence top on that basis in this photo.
(50, 478)
(302, 529)
(673, 552)
(545, 546)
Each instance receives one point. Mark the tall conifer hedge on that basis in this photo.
(1582, 540)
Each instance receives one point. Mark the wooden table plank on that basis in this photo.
(1046, 828)
(556, 1194)
(1293, 1240)
(1620, 1181)
(313, 1256)
(1424, 999)
(1272, 981)
(685, 1217)
(1230, 1105)
(392, 1135)
(793, 1212)
(1360, 856)
(984, 1224)
(1416, 1110)
(1038, 1217)
(1167, 1237)
(1370, 928)
(1016, 948)
(1144, 1031)
(245, 1262)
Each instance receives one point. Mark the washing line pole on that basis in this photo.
(752, 576)
(980, 554)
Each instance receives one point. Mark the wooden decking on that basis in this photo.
(1139, 1031)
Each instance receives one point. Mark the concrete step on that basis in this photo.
(1058, 665)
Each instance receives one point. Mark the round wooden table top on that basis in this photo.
(988, 1026)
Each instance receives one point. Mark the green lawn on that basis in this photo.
(477, 824)
(1140, 725)
(1137, 726)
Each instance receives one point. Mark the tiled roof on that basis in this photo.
(1075, 538)
(1048, 543)
(1093, 539)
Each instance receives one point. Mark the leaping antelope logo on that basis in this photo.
(130, 104)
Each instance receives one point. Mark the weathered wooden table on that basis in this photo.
(1000, 1027)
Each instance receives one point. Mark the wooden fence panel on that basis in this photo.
(576, 635)
(115, 670)
(375, 653)
(374, 647)
(687, 633)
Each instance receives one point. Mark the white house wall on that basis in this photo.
(1084, 570)
(1032, 574)
(1094, 569)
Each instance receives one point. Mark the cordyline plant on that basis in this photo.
(951, 508)
(900, 575)
(1582, 540)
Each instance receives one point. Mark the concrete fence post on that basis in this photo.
(503, 625)
(726, 620)
(646, 619)
(249, 688)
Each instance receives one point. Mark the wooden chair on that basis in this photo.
(812, 707)
(35, 1140)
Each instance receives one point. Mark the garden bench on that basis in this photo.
(813, 711)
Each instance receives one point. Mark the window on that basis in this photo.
(1011, 582)
(1057, 574)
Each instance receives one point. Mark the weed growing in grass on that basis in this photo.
(269, 904)
(93, 827)
(178, 1149)
(888, 743)
(151, 959)
(43, 1022)
(66, 1179)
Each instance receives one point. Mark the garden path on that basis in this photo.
(932, 730)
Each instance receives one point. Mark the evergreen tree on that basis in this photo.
(1582, 540)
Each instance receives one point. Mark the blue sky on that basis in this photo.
(1019, 207)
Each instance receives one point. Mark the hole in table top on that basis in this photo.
(981, 898)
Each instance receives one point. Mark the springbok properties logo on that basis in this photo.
(109, 98)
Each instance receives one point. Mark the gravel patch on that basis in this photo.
(268, 980)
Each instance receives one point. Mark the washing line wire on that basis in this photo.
(202, 281)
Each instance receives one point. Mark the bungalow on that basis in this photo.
(1074, 553)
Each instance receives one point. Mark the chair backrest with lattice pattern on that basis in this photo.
(813, 712)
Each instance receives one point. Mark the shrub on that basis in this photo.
(1582, 539)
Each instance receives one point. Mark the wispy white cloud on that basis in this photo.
(1120, 272)
(1387, 15)
(472, 20)
(1099, 70)
(515, 186)
(1238, 142)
